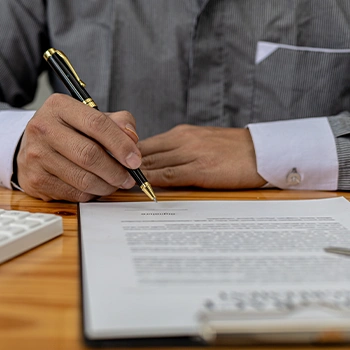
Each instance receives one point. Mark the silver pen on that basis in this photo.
(337, 250)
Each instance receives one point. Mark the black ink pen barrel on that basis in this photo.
(74, 87)
(137, 176)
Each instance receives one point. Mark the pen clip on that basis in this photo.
(48, 53)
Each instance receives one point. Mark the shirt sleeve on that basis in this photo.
(340, 125)
(297, 154)
(12, 125)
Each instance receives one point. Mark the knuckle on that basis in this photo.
(32, 155)
(148, 161)
(75, 195)
(55, 100)
(89, 155)
(40, 124)
(45, 198)
(183, 128)
(117, 176)
(38, 127)
(127, 115)
(54, 104)
(97, 122)
(37, 194)
(36, 180)
(88, 183)
(169, 174)
(83, 197)
(85, 180)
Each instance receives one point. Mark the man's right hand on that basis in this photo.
(63, 155)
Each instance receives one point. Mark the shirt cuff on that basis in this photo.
(12, 125)
(296, 154)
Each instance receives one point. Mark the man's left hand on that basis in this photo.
(208, 157)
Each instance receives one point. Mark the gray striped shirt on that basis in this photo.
(189, 61)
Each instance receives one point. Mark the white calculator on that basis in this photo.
(22, 230)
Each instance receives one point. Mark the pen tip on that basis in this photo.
(147, 189)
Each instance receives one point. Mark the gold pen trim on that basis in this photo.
(48, 53)
(90, 102)
(147, 189)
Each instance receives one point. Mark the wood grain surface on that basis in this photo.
(40, 290)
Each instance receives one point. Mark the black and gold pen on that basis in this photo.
(65, 71)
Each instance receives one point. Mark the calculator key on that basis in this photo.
(5, 221)
(11, 230)
(43, 217)
(4, 237)
(15, 214)
(26, 223)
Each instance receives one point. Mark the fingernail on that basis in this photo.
(133, 160)
(131, 129)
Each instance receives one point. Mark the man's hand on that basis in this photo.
(63, 151)
(209, 157)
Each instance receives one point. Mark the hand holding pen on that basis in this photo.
(62, 154)
(65, 71)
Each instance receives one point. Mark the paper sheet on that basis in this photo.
(149, 268)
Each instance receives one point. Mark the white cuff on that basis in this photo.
(12, 125)
(296, 154)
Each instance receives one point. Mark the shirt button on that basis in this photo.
(293, 178)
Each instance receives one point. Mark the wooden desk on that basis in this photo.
(39, 290)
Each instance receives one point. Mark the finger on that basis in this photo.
(49, 187)
(181, 176)
(97, 126)
(165, 159)
(157, 144)
(126, 123)
(88, 156)
(78, 177)
(172, 139)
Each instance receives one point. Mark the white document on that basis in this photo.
(150, 269)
